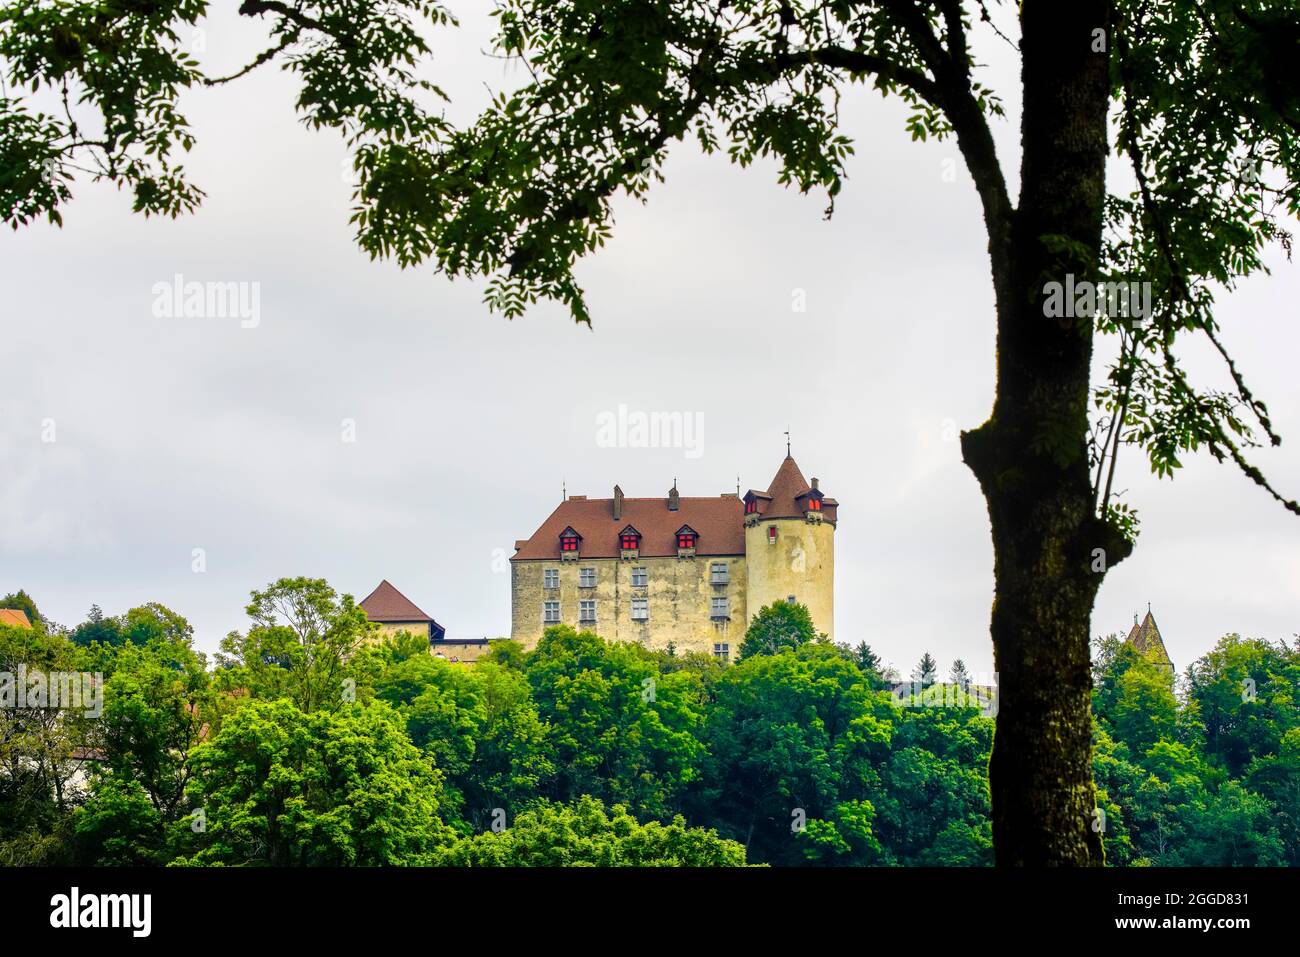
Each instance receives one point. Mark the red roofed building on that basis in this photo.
(394, 613)
(682, 569)
(14, 618)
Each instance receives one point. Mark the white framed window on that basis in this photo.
(720, 607)
(640, 577)
(771, 534)
(587, 609)
(551, 612)
(640, 609)
(551, 578)
(722, 650)
(718, 574)
(587, 577)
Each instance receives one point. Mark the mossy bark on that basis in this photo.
(1030, 457)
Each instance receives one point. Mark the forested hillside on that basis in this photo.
(304, 743)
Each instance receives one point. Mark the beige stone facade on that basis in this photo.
(796, 561)
(684, 600)
(461, 650)
(690, 572)
(387, 629)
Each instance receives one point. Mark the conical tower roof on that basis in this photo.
(1145, 637)
(785, 488)
(787, 494)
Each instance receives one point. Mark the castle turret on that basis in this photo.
(790, 545)
(1145, 637)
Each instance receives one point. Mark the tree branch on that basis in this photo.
(265, 56)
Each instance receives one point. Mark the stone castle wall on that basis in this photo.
(679, 593)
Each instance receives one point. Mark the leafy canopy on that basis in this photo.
(1206, 111)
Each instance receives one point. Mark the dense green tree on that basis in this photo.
(585, 834)
(868, 663)
(302, 637)
(1276, 777)
(119, 826)
(1117, 780)
(623, 730)
(508, 653)
(98, 628)
(926, 672)
(1204, 110)
(932, 800)
(156, 622)
(157, 708)
(1230, 828)
(139, 626)
(791, 737)
(1246, 691)
(41, 752)
(281, 786)
(480, 727)
(1112, 656)
(776, 627)
(1145, 709)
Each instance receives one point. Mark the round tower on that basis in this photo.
(790, 546)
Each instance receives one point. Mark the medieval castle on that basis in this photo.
(690, 572)
(682, 570)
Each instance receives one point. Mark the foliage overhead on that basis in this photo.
(1206, 108)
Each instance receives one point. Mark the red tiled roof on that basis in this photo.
(14, 617)
(787, 485)
(719, 522)
(784, 494)
(386, 603)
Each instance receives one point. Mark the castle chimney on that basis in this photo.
(618, 503)
(814, 482)
(674, 498)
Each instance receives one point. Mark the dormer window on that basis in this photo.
(687, 538)
(754, 505)
(569, 543)
(812, 503)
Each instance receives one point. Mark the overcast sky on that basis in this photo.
(173, 434)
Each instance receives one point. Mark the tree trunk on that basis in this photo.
(1031, 458)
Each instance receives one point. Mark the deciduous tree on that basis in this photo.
(1199, 93)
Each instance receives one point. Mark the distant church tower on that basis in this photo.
(790, 545)
(1146, 638)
